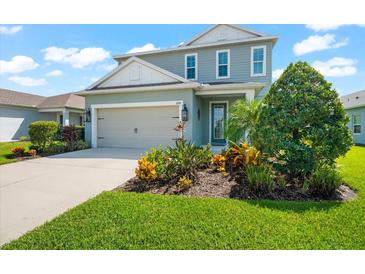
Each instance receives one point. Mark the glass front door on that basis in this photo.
(218, 119)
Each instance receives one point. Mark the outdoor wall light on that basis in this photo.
(88, 115)
(184, 113)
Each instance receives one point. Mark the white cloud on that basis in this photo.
(28, 81)
(108, 67)
(54, 73)
(336, 67)
(327, 27)
(323, 27)
(277, 73)
(317, 43)
(17, 64)
(146, 47)
(10, 30)
(77, 58)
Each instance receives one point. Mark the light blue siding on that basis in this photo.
(358, 138)
(240, 63)
(20, 118)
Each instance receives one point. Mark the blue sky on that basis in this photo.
(54, 59)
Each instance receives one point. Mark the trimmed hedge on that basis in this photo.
(42, 133)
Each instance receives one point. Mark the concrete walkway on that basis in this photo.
(35, 191)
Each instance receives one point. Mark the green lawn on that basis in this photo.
(115, 220)
(5, 151)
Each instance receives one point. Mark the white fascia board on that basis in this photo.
(189, 85)
(142, 62)
(256, 39)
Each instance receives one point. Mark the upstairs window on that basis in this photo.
(356, 122)
(191, 61)
(223, 60)
(258, 61)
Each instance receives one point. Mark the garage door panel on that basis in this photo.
(137, 127)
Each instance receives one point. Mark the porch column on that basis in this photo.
(250, 95)
(66, 117)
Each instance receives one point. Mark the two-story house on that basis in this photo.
(139, 104)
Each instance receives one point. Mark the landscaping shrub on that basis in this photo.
(80, 133)
(185, 182)
(260, 178)
(18, 151)
(219, 163)
(42, 133)
(323, 181)
(302, 122)
(69, 136)
(184, 159)
(24, 138)
(146, 170)
(243, 120)
(239, 156)
(32, 152)
(80, 145)
(56, 147)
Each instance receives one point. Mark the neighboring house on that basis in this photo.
(18, 110)
(139, 103)
(354, 105)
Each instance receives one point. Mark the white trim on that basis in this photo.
(224, 92)
(95, 107)
(264, 61)
(196, 66)
(258, 39)
(142, 62)
(210, 116)
(228, 63)
(353, 124)
(214, 27)
(51, 110)
(188, 85)
(61, 109)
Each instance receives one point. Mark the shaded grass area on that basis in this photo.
(117, 220)
(5, 151)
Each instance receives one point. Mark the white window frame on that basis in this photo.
(228, 64)
(252, 61)
(196, 66)
(353, 124)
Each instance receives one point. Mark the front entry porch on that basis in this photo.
(212, 109)
(67, 116)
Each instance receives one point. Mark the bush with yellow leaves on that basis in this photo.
(146, 170)
(239, 156)
(185, 182)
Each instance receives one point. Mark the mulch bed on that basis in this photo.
(213, 184)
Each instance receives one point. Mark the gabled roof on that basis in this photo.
(174, 78)
(189, 45)
(16, 98)
(236, 27)
(353, 100)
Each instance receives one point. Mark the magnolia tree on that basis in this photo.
(302, 121)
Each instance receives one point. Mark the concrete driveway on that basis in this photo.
(35, 191)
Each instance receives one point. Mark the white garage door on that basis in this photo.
(139, 127)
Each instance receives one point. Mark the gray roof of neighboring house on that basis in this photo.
(16, 98)
(354, 100)
(64, 100)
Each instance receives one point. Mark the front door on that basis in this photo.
(218, 119)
